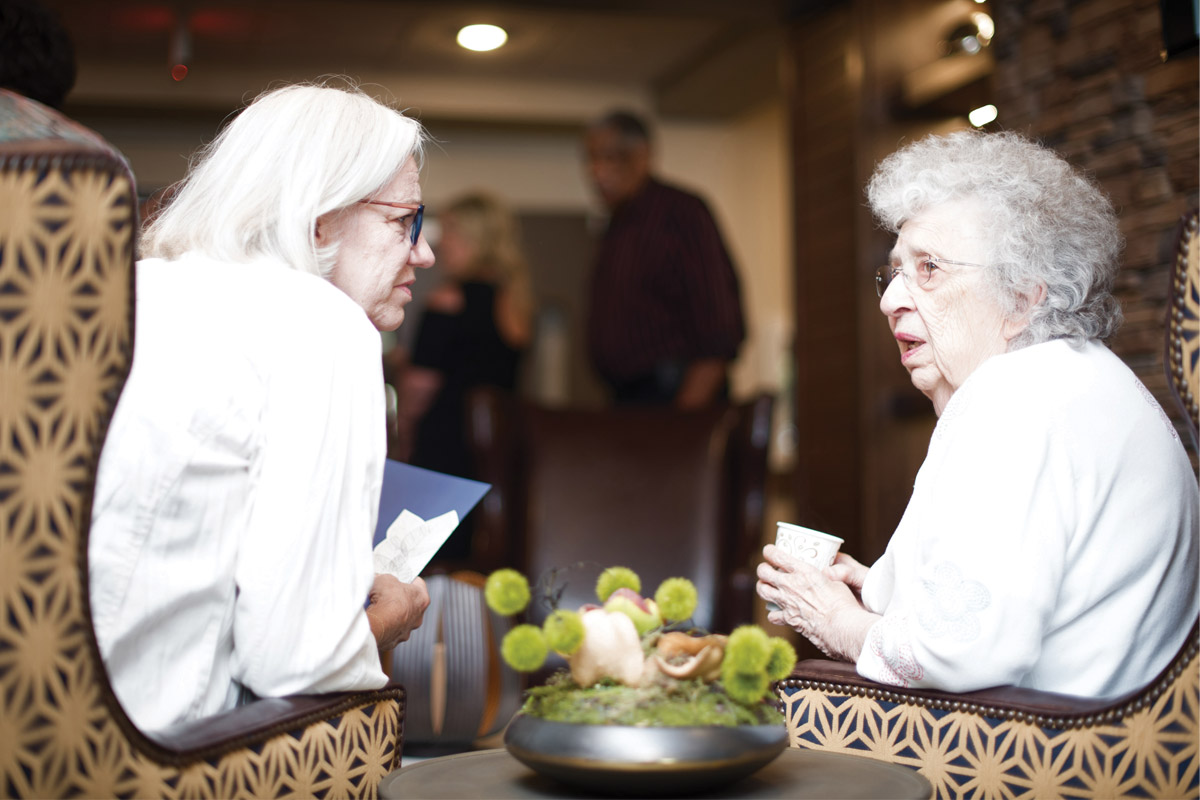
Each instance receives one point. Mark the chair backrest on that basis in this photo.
(1183, 320)
(68, 219)
(663, 492)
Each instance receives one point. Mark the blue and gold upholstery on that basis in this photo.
(1008, 742)
(1019, 743)
(68, 219)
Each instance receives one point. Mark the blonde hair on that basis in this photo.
(293, 155)
(490, 225)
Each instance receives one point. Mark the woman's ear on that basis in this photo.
(1026, 302)
(325, 229)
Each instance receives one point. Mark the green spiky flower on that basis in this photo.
(782, 659)
(506, 592)
(676, 598)
(748, 650)
(524, 648)
(615, 578)
(564, 631)
(745, 687)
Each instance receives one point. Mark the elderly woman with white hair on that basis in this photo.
(238, 489)
(1050, 538)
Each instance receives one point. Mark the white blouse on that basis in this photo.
(237, 492)
(1050, 541)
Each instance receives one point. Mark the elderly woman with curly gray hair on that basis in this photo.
(1050, 538)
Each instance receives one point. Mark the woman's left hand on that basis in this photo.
(823, 610)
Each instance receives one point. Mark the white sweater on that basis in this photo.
(1051, 538)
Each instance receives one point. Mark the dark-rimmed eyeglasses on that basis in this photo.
(414, 232)
(919, 274)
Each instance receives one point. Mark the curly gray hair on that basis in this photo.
(1051, 225)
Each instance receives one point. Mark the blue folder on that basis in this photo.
(426, 493)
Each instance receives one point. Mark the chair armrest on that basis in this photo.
(252, 724)
(1003, 702)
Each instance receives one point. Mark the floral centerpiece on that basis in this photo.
(631, 660)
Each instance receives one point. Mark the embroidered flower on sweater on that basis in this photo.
(950, 603)
(1153, 403)
(892, 645)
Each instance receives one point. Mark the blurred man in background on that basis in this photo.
(665, 316)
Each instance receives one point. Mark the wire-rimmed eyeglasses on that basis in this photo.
(921, 273)
(415, 231)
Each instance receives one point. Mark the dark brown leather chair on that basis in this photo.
(664, 492)
(68, 223)
(1008, 742)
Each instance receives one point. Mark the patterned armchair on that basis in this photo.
(68, 220)
(1183, 321)
(1015, 743)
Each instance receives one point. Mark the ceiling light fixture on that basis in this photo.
(983, 115)
(482, 38)
(987, 28)
(969, 37)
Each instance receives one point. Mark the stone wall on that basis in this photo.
(1088, 79)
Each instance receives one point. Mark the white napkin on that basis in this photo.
(410, 544)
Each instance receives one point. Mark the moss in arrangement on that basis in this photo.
(677, 703)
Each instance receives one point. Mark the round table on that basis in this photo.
(795, 773)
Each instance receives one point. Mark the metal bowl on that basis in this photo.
(626, 760)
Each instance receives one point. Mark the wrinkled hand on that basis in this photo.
(396, 609)
(823, 608)
(849, 572)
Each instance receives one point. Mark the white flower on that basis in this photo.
(950, 607)
(611, 648)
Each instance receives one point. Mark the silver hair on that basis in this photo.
(1050, 225)
(294, 154)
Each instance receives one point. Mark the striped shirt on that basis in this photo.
(664, 289)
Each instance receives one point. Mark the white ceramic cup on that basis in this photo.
(815, 547)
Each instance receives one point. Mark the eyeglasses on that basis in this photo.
(923, 272)
(415, 231)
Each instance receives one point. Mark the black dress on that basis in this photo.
(468, 351)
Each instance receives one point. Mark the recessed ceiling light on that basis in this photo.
(983, 115)
(482, 38)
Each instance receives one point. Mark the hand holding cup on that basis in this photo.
(817, 548)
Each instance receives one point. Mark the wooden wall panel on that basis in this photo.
(824, 101)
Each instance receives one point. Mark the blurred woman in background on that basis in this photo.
(476, 326)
